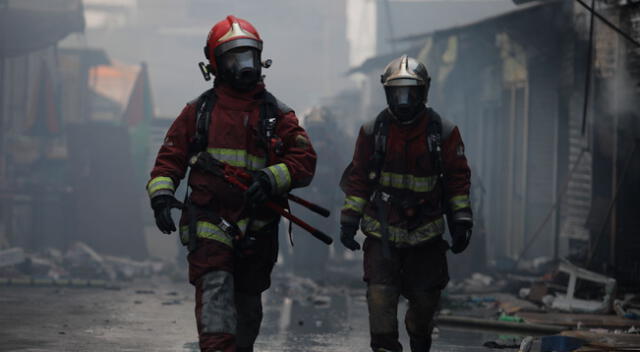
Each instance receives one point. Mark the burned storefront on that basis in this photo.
(70, 118)
(544, 186)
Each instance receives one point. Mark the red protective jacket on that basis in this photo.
(234, 138)
(408, 182)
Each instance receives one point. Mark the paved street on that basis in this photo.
(158, 316)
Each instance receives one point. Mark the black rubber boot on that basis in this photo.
(419, 344)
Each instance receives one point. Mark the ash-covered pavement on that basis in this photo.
(157, 315)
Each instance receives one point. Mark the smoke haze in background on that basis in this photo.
(307, 40)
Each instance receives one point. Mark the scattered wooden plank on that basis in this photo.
(571, 320)
(488, 324)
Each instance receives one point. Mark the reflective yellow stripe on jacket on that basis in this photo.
(238, 157)
(280, 177)
(401, 237)
(459, 202)
(354, 203)
(160, 184)
(410, 182)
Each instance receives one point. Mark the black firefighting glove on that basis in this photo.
(259, 190)
(460, 237)
(461, 224)
(347, 234)
(162, 206)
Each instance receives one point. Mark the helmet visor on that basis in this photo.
(241, 67)
(405, 101)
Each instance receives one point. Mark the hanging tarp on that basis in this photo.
(43, 118)
(137, 116)
(30, 25)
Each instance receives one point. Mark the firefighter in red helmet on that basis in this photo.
(232, 236)
(408, 170)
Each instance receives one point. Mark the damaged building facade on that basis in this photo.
(69, 117)
(544, 185)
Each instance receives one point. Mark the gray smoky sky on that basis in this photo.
(307, 40)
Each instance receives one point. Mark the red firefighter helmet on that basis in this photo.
(232, 32)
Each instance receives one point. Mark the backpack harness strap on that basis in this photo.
(383, 199)
(270, 110)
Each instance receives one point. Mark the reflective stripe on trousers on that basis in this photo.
(217, 313)
(205, 229)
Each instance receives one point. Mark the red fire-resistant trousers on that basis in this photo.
(228, 291)
(417, 273)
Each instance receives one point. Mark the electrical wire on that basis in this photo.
(608, 23)
(546, 219)
(612, 203)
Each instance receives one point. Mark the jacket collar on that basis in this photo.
(237, 100)
(416, 127)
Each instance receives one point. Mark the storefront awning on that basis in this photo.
(30, 25)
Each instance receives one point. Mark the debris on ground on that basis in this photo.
(526, 344)
(145, 292)
(477, 283)
(559, 343)
(629, 307)
(545, 297)
(79, 265)
(83, 262)
(603, 286)
(127, 269)
(606, 341)
(499, 345)
(574, 320)
(172, 302)
(11, 256)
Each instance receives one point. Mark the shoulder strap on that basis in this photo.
(270, 111)
(204, 105)
(434, 141)
(380, 133)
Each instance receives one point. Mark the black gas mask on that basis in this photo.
(405, 102)
(240, 67)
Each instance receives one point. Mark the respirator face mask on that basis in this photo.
(405, 101)
(241, 67)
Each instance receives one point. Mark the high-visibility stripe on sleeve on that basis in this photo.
(354, 203)
(280, 178)
(160, 185)
(459, 202)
